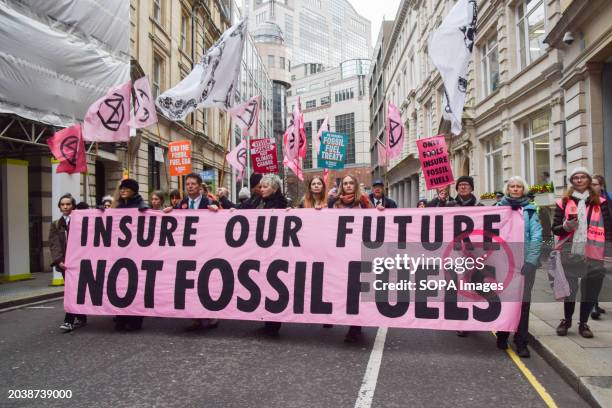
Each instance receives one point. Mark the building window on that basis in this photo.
(311, 104)
(326, 100)
(205, 121)
(308, 159)
(184, 32)
(157, 75)
(157, 11)
(270, 61)
(490, 66)
(154, 169)
(530, 30)
(281, 62)
(536, 149)
(300, 90)
(493, 163)
(346, 124)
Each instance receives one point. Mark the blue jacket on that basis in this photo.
(533, 232)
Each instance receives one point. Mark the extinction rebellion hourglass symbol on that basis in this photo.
(114, 114)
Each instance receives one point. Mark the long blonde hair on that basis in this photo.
(309, 199)
(359, 199)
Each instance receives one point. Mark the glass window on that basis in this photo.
(308, 159)
(490, 66)
(311, 103)
(154, 169)
(494, 164)
(281, 62)
(530, 29)
(536, 149)
(326, 100)
(184, 29)
(270, 61)
(346, 124)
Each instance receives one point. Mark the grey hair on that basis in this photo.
(273, 180)
(516, 179)
(107, 198)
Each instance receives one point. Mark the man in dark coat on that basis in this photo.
(443, 198)
(58, 238)
(377, 196)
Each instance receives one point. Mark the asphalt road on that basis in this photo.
(234, 366)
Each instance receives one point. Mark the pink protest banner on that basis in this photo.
(263, 155)
(300, 266)
(434, 162)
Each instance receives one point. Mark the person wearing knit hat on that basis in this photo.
(577, 213)
(129, 183)
(465, 198)
(255, 187)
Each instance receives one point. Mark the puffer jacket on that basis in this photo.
(533, 230)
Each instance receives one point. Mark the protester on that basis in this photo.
(58, 237)
(205, 191)
(350, 196)
(157, 200)
(107, 202)
(243, 195)
(82, 206)
(196, 200)
(378, 198)
(580, 216)
(224, 201)
(599, 185)
(515, 197)
(254, 183)
(422, 203)
(271, 197)
(315, 195)
(465, 198)
(175, 198)
(443, 198)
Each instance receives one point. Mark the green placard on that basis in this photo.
(332, 152)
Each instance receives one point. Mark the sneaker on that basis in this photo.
(563, 327)
(585, 331)
(502, 343)
(523, 351)
(66, 327)
(462, 333)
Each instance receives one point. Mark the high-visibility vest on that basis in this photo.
(596, 238)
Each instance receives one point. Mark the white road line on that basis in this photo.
(370, 378)
(40, 307)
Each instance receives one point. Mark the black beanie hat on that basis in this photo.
(465, 179)
(129, 183)
(255, 179)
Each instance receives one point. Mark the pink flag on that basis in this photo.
(290, 142)
(382, 153)
(395, 132)
(299, 130)
(237, 158)
(107, 118)
(295, 166)
(246, 116)
(324, 128)
(326, 176)
(68, 147)
(144, 105)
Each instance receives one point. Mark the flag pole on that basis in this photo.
(227, 141)
(165, 163)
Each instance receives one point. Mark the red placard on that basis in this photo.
(263, 155)
(179, 157)
(434, 162)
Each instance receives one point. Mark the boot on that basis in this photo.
(563, 326)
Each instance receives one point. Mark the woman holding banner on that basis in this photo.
(156, 199)
(583, 225)
(315, 195)
(350, 196)
(515, 197)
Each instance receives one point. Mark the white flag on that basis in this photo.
(450, 49)
(317, 141)
(212, 82)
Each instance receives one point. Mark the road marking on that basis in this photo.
(370, 378)
(40, 307)
(548, 400)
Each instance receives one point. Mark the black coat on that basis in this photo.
(135, 201)
(226, 203)
(276, 200)
(387, 202)
(606, 213)
(204, 203)
(57, 242)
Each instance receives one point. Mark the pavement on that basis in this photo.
(426, 359)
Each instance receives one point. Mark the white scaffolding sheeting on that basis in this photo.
(57, 57)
